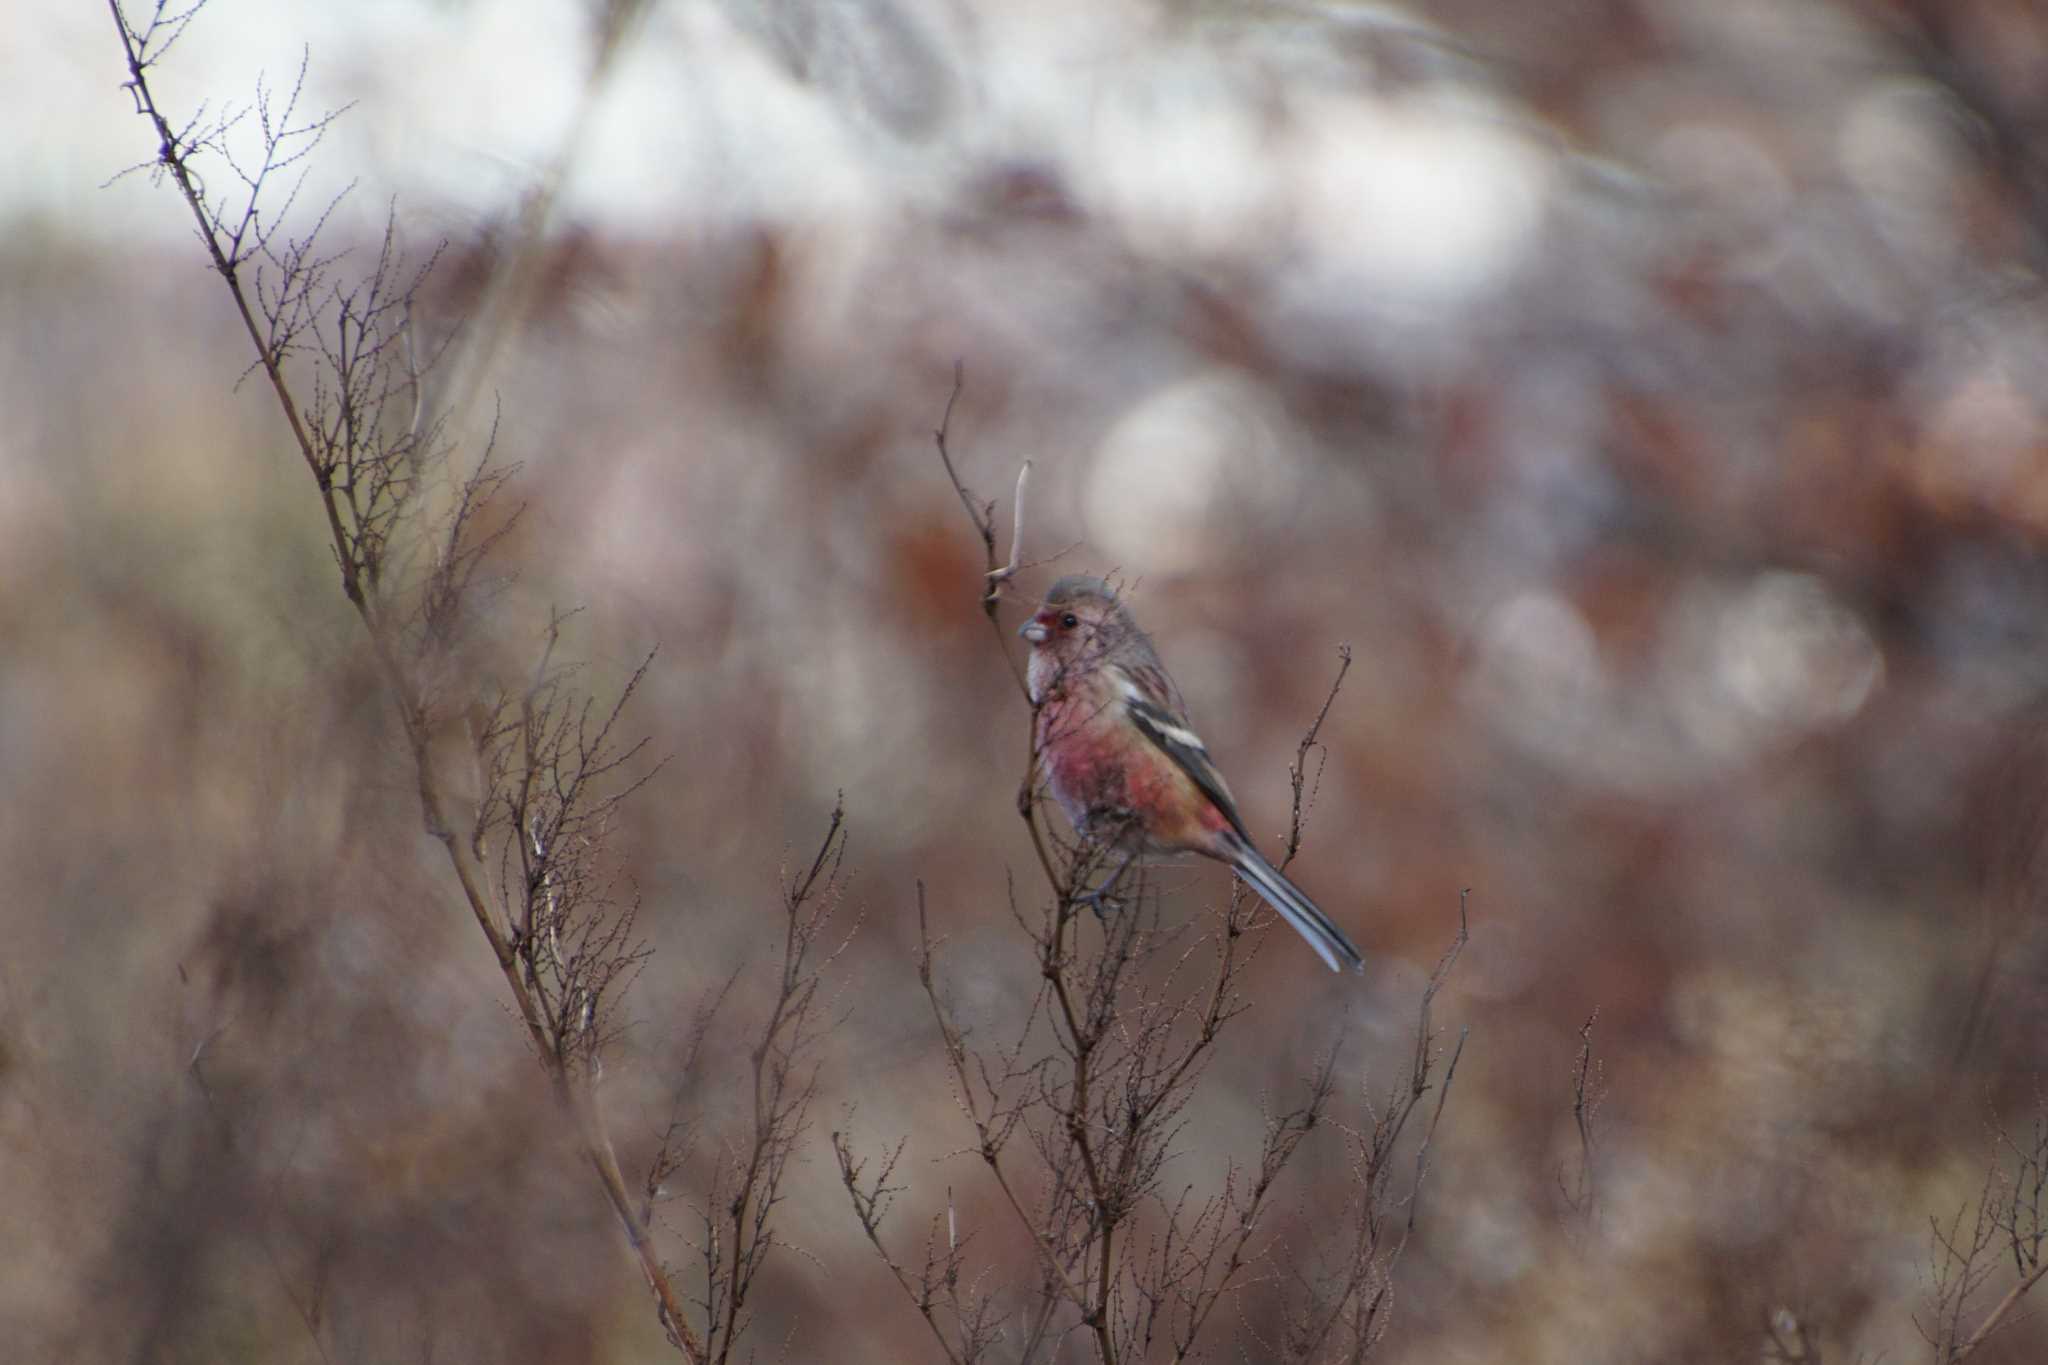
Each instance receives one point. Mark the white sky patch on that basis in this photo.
(1192, 141)
(520, 66)
(1416, 201)
(458, 105)
(1177, 154)
(1184, 137)
(705, 124)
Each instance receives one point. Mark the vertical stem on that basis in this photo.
(572, 1089)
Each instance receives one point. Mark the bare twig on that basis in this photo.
(1078, 1116)
(2010, 1223)
(1355, 1308)
(983, 515)
(738, 1236)
(995, 576)
(1297, 772)
(1589, 1088)
(562, 941)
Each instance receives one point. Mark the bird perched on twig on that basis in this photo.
(1123, 762)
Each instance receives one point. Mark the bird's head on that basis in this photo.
(1079, 621)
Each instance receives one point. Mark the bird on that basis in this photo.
(1113, 742)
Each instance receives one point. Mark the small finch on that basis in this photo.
(1125, 765)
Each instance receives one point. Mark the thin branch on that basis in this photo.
(1297, 772)
(1588, 1090)
(1100, 1074)
(1995, 1319)
(995, 576)
(2012, 1208)
(366, 477)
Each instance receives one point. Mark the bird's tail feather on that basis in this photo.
(1317, 928)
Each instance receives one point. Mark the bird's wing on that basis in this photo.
(1179, 742)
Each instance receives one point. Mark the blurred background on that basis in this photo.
(1650, 393)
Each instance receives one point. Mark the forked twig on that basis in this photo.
(359, 434)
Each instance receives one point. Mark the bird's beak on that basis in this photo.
(1034, 631)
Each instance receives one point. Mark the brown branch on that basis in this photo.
(1996, 1317)
(990, 1136)
(1588, 1090)
(1297, 772)
(998, 577)
(2011, 1207)
(781, 1099)
(984, 515)
(359, 533)
(1100, 1076)
(995, 576)
(1364, 1295)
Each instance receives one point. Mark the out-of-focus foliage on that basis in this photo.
(1651, 392)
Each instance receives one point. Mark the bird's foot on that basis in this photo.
(1102, 900)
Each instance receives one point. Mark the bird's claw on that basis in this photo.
(1100, 900)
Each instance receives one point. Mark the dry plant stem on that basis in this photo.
(229, 252)
(1082, 1042)
(1283, 1137)
(172, 157)
(983, 515)
(2000, 1311)
(1101, 1111)
(936, 1285)
(738, 1236)
(1419, 1078)
(992, 1131)
(871, 1199)
(1297, 775)
(1588, 1090)
(2011, 1222)
(1097, 1082)
(1085, 1015)
(1009, 570)
(997, 576)
(1084, 1024)
(1364, 1296)
(781, 1102)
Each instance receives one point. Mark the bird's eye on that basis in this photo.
(1069, 621)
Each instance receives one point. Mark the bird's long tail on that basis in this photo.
(1322, 933)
